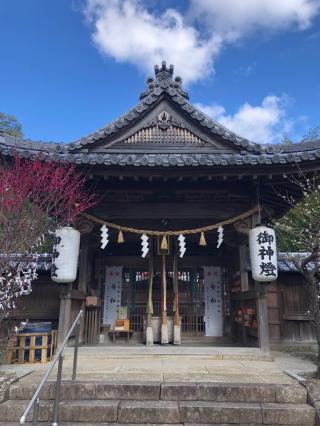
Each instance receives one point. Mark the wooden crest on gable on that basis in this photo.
(166, 130)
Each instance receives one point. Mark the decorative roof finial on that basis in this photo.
(164, 82)
(163, 72)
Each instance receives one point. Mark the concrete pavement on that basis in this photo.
(172, 364)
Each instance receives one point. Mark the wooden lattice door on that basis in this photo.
(191, 298)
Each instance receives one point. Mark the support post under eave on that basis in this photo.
(243, 227)
(65, 311)
(262, 317)
(83, 282)
(261, 306)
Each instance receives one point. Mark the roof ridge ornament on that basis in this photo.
(164, 82)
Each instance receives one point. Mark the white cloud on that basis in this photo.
(235, 18)
(265, 123)
(127, 31)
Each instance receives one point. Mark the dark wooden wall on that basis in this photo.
(43, 303)
(274, 312)
(287, 305)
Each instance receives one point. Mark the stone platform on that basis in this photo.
(172, 364)
(100, 402)
(169, 385)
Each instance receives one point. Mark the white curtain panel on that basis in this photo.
(213, 301)
(112, 294)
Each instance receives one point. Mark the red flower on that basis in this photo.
(56, 190)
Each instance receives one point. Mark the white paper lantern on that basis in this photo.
(263, 254)
(65, 255)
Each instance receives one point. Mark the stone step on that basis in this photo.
(166, 412)
(134, 424)
(219, 392)
(104, 424)
(195, 412)
(70, 411)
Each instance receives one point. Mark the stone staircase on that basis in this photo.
(114, 403)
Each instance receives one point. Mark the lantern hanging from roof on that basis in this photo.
(65, 255)
(263, 254)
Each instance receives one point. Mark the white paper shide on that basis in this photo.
(65, 255)
(263, 254)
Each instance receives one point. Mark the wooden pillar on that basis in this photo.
(243, 264)
(261, 306)
(83, 267)
(262, 317)
(244, 284)
(84, 281)
(65, 311)
(243, 227)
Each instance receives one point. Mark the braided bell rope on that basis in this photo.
(234, 219)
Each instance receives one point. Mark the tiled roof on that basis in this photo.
(164, 86)
(59, 152)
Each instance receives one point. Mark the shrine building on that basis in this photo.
(167, 242)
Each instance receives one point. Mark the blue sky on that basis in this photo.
(69, 67)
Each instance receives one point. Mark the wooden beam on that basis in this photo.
(158, 210)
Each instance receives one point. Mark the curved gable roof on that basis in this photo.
(164, 87)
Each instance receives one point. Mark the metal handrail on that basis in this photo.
(35, 401)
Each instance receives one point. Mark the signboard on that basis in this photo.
(112, 294)
(213, 301)
(263, 254)
(122, 313)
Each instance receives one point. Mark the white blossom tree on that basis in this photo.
(36, 197)
(298, 235)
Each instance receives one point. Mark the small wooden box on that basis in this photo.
(24, 347)
(92, 301)
(123, 323)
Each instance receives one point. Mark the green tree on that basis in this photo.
(298, 236)
(10, 125)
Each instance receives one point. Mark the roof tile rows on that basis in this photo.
(164, 86)
(59, 153)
